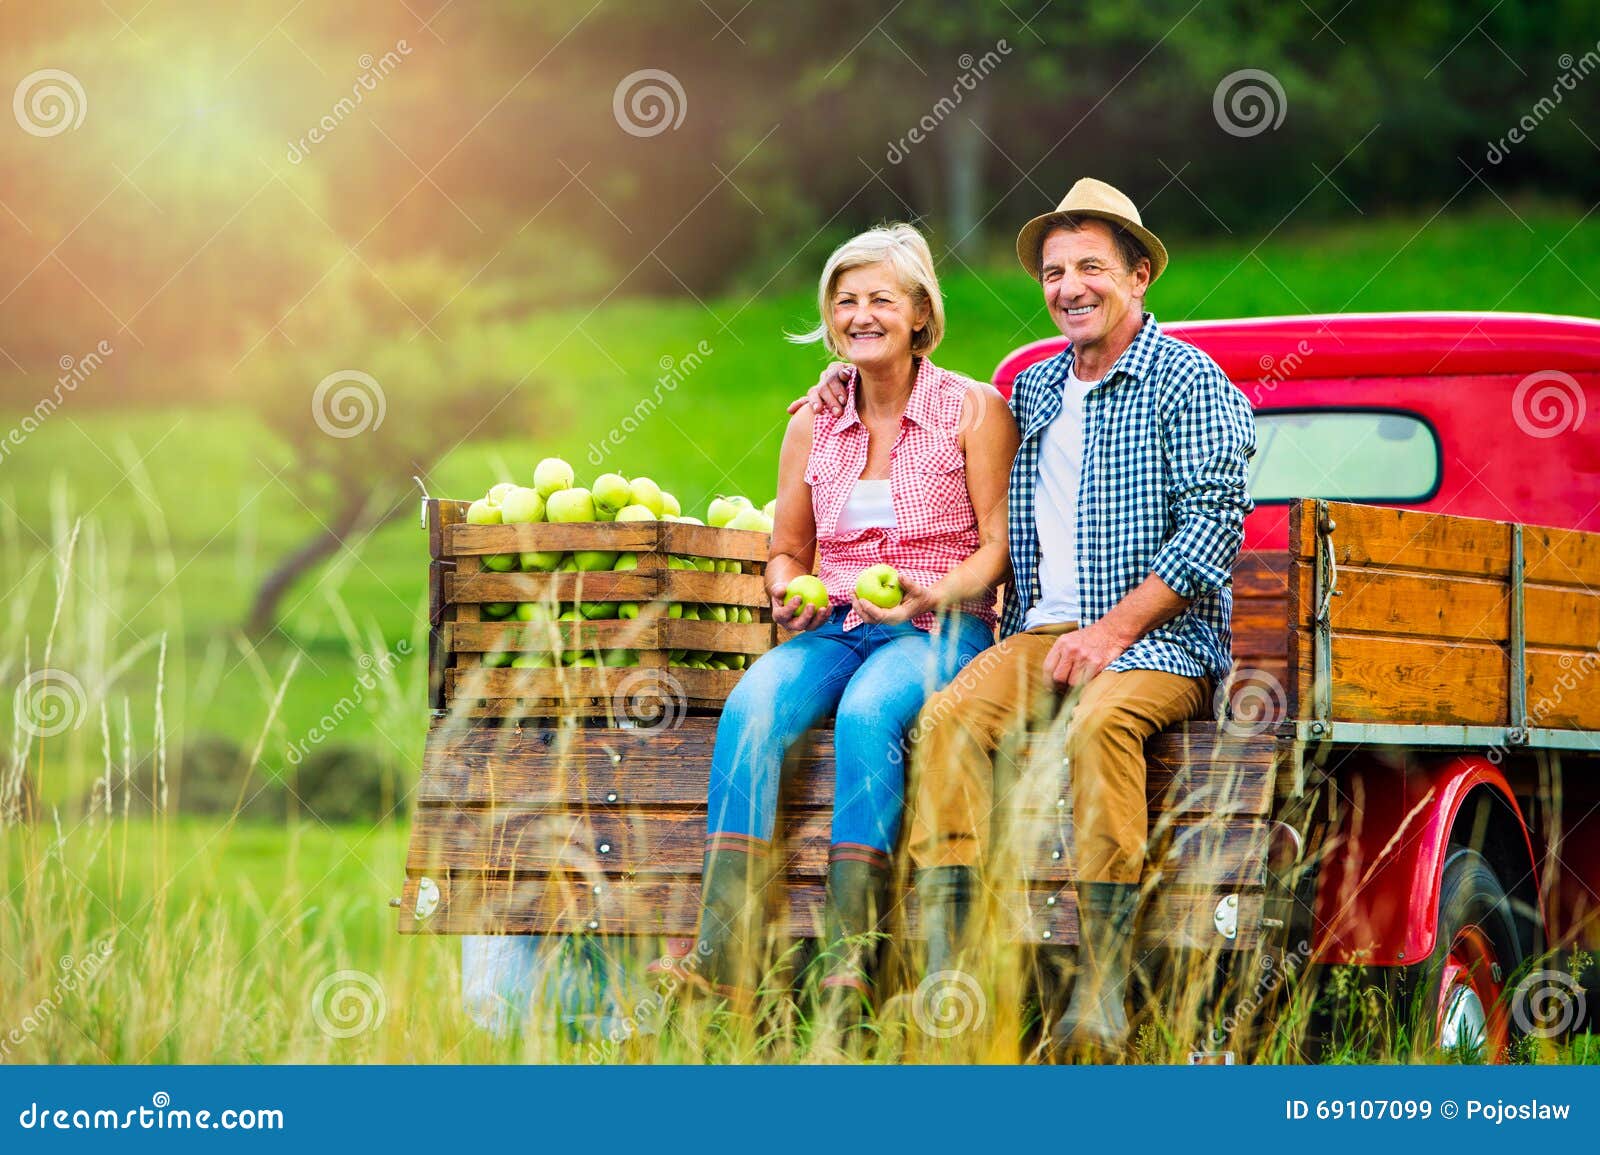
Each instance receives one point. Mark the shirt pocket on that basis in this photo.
(946, 506)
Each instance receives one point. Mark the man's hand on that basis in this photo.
(829, 391)
(914, 599)
(1080, 655)
(796, 614)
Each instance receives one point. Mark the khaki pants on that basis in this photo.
(1004, 691)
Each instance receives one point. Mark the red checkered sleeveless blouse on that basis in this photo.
(935, 529)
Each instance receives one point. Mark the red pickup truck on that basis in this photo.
(1404, 772)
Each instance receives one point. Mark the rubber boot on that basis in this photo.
(731, 906)
(857, 901)
(1095, 1023)
(944, 902)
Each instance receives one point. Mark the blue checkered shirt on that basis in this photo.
(1167, 442)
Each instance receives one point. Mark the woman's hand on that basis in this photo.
(914, 599)
(796, 614)
(829, 390)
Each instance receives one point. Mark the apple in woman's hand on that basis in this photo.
(880, 585)
(809, 591)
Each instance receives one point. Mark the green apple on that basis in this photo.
(594, 560)
(585, 662)
(626, 561)
(521, 506)
(541, 561)
(746, 615)
(572, 615)
(647, 493)
(715, 614)
(878, 584)
(676, 562)
(718, 664)
(500, 562)
(568, 564)
(669, 505)
(691, 613)
(497, 492)
(497, 660)
(771, 509)
(598, 611)
(534, 612)
(498, 611)
(628, 611)
(533, 661)
(569, 505)
(483, 512)
(604, 514)
(752, 520)
(736, 661)
(705, 564)
(611, 491)
(620, 657)
(722, 510)
(552, 474)
(636, 513)
(806, 590)
(687, 520)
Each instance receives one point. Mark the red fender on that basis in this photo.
(1378, 888)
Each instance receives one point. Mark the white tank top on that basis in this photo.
(869, 506)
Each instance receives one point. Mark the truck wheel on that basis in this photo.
(1459, 1002)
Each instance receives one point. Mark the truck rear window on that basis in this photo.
(1347, 454)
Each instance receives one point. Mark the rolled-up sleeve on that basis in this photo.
(1208, 436)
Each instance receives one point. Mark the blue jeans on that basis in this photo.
(876, 679)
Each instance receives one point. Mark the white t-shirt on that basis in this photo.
(1055, 509)
(870, 504)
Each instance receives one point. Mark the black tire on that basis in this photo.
(1457, 1000)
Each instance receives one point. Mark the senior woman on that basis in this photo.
(912, 473)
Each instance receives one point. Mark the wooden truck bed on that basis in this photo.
(1381, 626)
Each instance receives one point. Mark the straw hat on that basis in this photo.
(1090, 198)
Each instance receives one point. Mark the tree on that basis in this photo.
(380, 374)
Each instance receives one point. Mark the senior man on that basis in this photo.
(1126, 510)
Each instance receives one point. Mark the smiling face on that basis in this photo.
(1094, 299)
(874, 316)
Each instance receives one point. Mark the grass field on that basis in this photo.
(222, 932)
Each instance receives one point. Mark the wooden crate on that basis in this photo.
(1425, 624)
(461, 584)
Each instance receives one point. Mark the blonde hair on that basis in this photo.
(903, 248)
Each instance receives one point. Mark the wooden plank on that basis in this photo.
(1194, 770)
(613, 536)
(1567, 557)
(1561, 617)
(670, 908)
(729, 589)
(706, 541)
(655, 633)
(602, 586)
(1391, 679)
(1435, 543)
(1411, 604)
(531, 843)
(1261, 574)
(672, 685)
(1564, 689)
